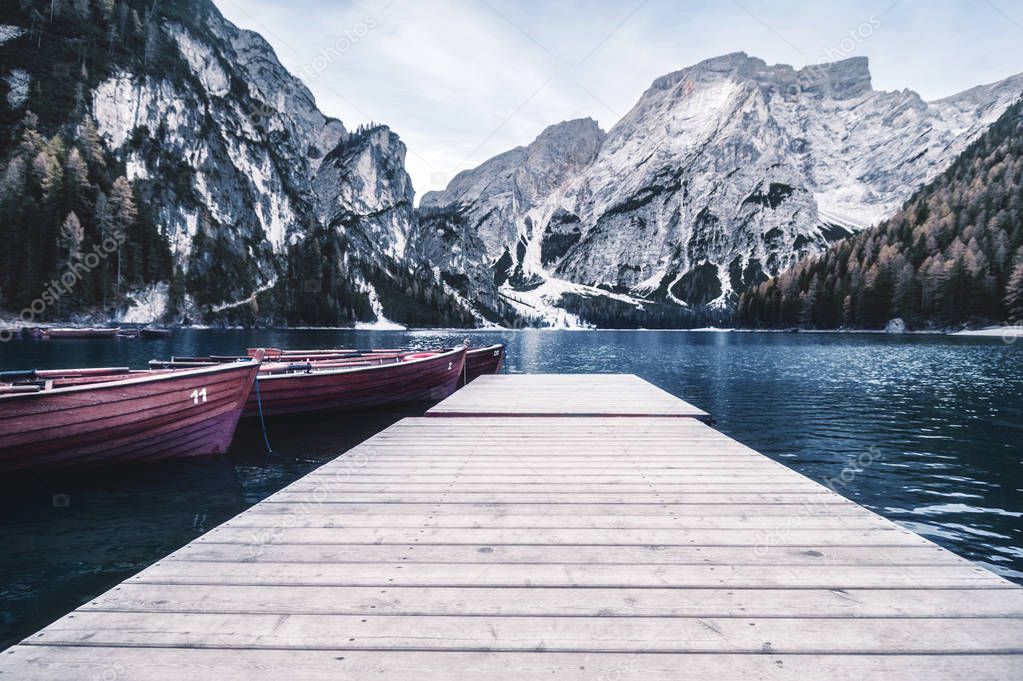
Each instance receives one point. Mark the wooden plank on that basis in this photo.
(554, 508)
(520, 521)
(41, 662)
(924, 555)
(988, 635)
(791, 487)
(532, 497)
(575, 395)
(567, 575)
(576, 601)
(878, 536)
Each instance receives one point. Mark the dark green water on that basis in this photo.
(938, 420)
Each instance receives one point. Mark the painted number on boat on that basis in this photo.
(198, 396)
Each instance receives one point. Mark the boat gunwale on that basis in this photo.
(102, 385)
(487, 348)
(348, 370)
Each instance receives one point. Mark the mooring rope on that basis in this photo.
(266, 438)
(262, 423)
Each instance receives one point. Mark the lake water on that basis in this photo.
(927, 431)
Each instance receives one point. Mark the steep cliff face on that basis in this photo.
(721, 174)
(479, 231)
(272, 211)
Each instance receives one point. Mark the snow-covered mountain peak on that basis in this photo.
(840, 80)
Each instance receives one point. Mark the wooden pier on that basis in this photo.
(578, 528)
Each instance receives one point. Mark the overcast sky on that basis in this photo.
(463, 80)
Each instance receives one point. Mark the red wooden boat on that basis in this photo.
(344, 383)
(480, 361)
(74, 418)
(81, 333)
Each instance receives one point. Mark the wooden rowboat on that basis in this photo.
(349, 384)
(78, 418)
(150, 332)
(81, 333)
(478, 361)
(481, 361)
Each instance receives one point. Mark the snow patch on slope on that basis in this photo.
(9, 33)
(245, 301)
(145, 305)
(382, 323)
(18, 82)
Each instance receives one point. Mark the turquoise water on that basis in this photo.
(927, 431)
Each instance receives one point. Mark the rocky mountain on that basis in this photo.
(271, 211)
(177, 147)
(722, 174)
(476, 240)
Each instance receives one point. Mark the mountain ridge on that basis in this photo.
(254, 207)
(650, 219)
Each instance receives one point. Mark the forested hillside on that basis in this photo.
(157, 162)
(62, 194)
(953, 254)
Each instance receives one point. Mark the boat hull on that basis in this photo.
(81, 333)
(141, 418)
(482, 361)
(348, 389)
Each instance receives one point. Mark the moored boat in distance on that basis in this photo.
(52, 419)
(346, 383)
(81, 333)
(151, 332)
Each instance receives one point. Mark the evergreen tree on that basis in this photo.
(70, 245)
(123, 214)
(71, 238)
(91, 143)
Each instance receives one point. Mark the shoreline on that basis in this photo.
(1005, 333)
(12, 324)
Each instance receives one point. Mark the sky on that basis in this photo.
(463, 80)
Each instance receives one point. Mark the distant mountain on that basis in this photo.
(723, 174)
(952, 254)
(247, 203)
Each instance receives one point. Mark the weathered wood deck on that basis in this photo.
(597, 548)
